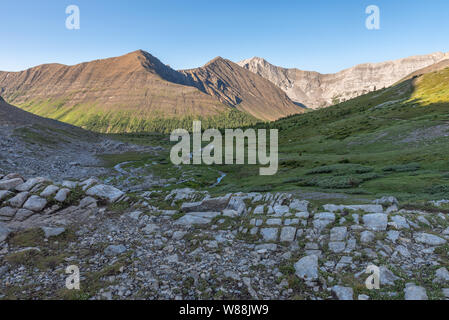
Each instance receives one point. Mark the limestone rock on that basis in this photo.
(307, 267)
(102, 191)
(35, 203)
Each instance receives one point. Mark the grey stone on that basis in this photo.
(367, 237)
(307, 267)
(88, 202)
(281, 210)
(429, 239)
(4, 232)
(370, 208)
(178, 235)
(337, 246)
(289, 222)
(376, 221)
(343, 293)
(8, 212)
(69, 184)
(446, 292)
(236, 203)
(387, 201)
(150, 228)
(4, 194)
(18, 200)
(272, 222)
(393, 235)
(338, 233)
(387, 277)
(35, 203)
(230, 213)
(23, 214)
(259, 209)
(208, 215)
(29, 184)
(403, 251)
(207, 205)
(86, 184)
(269, 234)
(441, 275)
(400, 222)
(414, 292)
(191, 220)
(109, 193)
(288, 234)
(299, 205)
(49, 191)
(62, 195)
(266, 246)
(52, 232)
(10, 184)
(135, 215)
(113, 250)
(302, 215)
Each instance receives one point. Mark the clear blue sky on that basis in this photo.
(321, 35)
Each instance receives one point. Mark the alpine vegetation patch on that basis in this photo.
(190, 151)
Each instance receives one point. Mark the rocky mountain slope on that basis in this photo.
(32, 144)
(236, 86)
(316, 90)
(136, 92)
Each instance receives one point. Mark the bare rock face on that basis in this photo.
(237, 87)
(316, 90)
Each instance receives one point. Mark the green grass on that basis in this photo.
(388, 142)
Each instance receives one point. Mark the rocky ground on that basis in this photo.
(186, 244)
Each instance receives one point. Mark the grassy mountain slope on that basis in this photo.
(134, 92)
(392, 141)
(137, 92)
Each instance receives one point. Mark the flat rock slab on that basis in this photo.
(343, 293)
(52, 232)
(10, 184)
(376, 221)
(191, 220)
(4, 232)
(49, 191)
(369, 208)
(18, 200)
(109, 193)
(29, 184)
(35, 203)
(414, 292)
(429, 239)
(114, 250)
(307, 267)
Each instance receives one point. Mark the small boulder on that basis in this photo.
(414, 292)
(49, 191)
(35, 203)
(114, 250)
(307, 267)
(10, 184)
(18, 200)
(109, 193)
(52, 232)
(343, 293)
(4, 232)
(62, 195)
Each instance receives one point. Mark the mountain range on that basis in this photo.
(315, 90)
(136, 92)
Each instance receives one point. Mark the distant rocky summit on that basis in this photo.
(315, 90)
